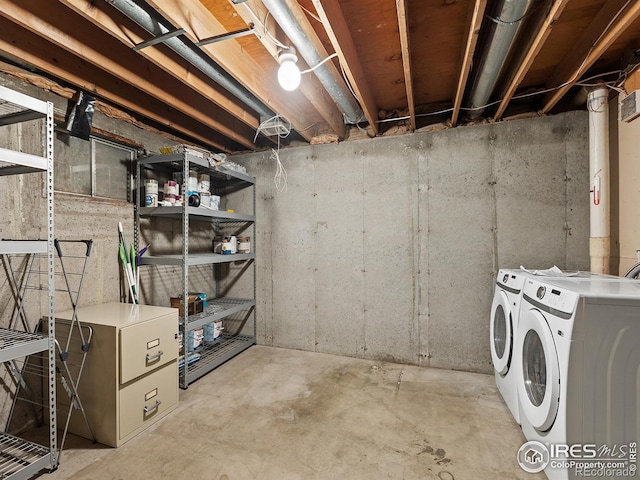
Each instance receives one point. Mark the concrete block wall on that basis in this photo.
(388, 248)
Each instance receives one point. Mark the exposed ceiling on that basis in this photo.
(409, 63)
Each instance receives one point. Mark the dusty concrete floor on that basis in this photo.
(281, 414)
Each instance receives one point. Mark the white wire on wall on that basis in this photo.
(280, 177)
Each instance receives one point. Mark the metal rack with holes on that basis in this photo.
(19, 458)
(239, 310)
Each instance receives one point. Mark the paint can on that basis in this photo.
(171, 188)
(204, 182)
(193, 181)
(213, 331)
(151, 193)
(229, 245)
(204, 199)
(196, 339)
(244, 244)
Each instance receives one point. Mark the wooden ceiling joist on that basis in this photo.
(115, 24)
(22, 44)
(337, 29)
(534, 48)
(474, 23)
(200, 23)
(403, 25)
(255, 12)
(610, 22)
(122, 62)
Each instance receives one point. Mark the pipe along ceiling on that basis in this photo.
(505, 23)
(151, 21)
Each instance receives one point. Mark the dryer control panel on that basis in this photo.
(550, 296)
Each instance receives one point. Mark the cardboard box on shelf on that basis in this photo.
(195, 304)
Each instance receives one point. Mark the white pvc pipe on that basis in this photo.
(600, 213)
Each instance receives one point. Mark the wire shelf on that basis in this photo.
(20, 456)
(15, 344)
(213, 355)
(218, 308)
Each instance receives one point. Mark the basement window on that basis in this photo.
(98, 168)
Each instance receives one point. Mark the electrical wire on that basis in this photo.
(311, 14)
(265, 123)
(575, 77)
(346, 80)
(468, 109)
(268, 34)
(572, 81)
(333, 55)
(523, 95)
(280, 177)
(499, 21)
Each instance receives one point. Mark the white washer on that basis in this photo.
(578, 344)
(503, 324)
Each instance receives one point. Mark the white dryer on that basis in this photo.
(504, 321)
(578, 346)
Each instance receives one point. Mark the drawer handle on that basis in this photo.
(151, 409)
(151, 358)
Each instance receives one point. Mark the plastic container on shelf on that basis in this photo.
(196, 339)
(151, 193)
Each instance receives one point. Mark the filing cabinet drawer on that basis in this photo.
(147, 399)
(124, 372)
(146, 346)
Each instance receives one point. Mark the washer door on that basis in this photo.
(501, 330)
(539, 386)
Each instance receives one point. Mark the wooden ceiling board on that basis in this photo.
(310, 10)
(338, 30)
(438, 33)
(575, 18)
(92, 44)
(374, 29)
(168, 90)
(62, 64)
(543, 25)
(117, 25)
(227, 15)
(622, 47)
(611, 21)
(260, 78)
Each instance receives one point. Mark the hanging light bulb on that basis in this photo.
(288, 74)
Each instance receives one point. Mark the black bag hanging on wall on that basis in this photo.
(81, 116)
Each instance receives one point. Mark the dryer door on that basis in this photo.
(501, 330)
(539, 386)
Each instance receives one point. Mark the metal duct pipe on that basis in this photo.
(334, 85)
(508, 18)
(191, 53)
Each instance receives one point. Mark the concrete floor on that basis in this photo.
(282, 414)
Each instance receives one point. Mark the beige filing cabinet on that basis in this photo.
(130, 376)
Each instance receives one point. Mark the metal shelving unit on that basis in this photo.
(218, 307)
(21, 459)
